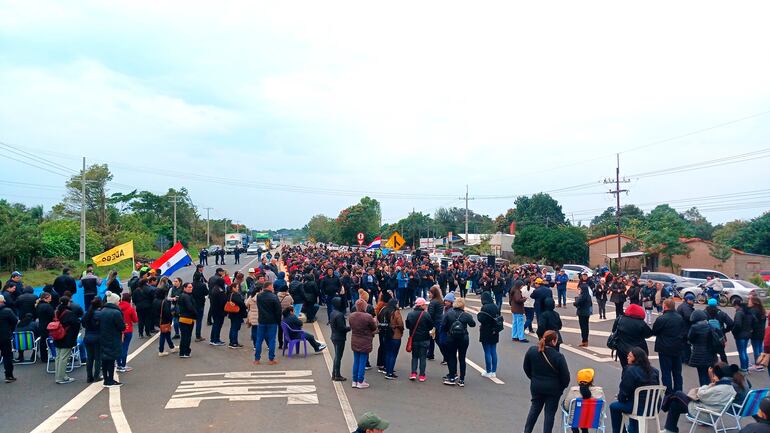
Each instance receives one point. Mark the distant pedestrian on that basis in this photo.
(561, 288)
(237, 255)
(529, 307)
(91, 337)
(584, 309)
(236, 317)
(702, 338)
(489, 333)
(549, 375)
(549, 321)
(420, 324)
(600, 293)
(758, 331)
(517, 301)
(71, 324)
(162, 308)
(743, 325)
(339, 329)
(129, 318)
(685, 310)
(8, 321)
(617, 293)
(188, 315)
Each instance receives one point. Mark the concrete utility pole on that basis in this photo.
(617, 192)
(83, 213)
(466, 214)
(208, 231)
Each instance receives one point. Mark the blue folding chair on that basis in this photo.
(748, 407)
(584, 413)
(23, 341)
(50, 365)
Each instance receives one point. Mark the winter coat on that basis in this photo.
(252, 315)
(129, 316)
(488, 332)
(546, 379)
(685, 310)
(64, 283)
(337, 323)
(311, 292)
(743, 324)
(269, 308)
(142, 297)
(422, 332)
(600, 292)
(330, 286)
(634, 377)
(618, 292)
(286, 300)
(362, 327)
(549, 320)
(90, 323)
(453, 315)
(71, 325)
(584, 303)
(8, 321)
(217, 298)
(280, 283)
(25, 304)
(111, 326)
(760, 321)
(186, 305)
(516, 300)
(631, 330)
(670, 333)
(540, 295)
(725, 321)
(45, 313)
(296, 292)
(436, 311)
(700, 338)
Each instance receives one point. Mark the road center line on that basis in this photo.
(347, 410)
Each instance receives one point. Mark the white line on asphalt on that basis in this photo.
(347, 410)
(116, 410)
(481, 370)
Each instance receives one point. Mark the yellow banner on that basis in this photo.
(114, 255)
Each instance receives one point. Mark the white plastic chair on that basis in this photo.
(652, 396)
(714, 418)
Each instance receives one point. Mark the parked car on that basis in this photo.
(253, 249)
(698, 276)
(572, 271)
(732, 290)
(475, 258)
(214, 248)
(765, 276)
(679, 283)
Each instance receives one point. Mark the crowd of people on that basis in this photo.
(367, 295)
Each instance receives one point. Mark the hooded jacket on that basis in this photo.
(8, 321)
(487, 319)
(111, 326)
(670, 333)
(700, 338)
(339, 328)
(631, 330)
(362, 327)
(280, 282)
(549, 320)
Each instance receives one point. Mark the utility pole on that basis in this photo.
(83, 213)
(208, 231)
(174, 197)
(466, 214)
(617, 192)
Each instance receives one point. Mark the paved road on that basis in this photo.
(219, 389)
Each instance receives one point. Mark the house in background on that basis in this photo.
(602, 251)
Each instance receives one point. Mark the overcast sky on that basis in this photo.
(306, 106)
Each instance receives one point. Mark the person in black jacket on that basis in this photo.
(436, 312)
(489, 335)
(725, 324)
(549, 320)
(331, 287)
(310, 291)
(743, 325)
(758, 331)
(91, 340)
(339, 330)
(111, 326)
(64, 283)
(188, 314)
(419, 323)
(456, 321)
(199, 292)
(64, 345)
(670, 333)
(25, 302)
(269, 318)
(293, 322)
(236, 318)
(8, 321)
(631, 331)
(45, 312)
(584, 308)
(685, 310)
(297, 294)
(639, 373)
(549, 375)
(142, 298)
(217, 299)
(701, 338)
(161, 308)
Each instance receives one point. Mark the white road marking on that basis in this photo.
(116, 411)
(481, 370)
(347, 410)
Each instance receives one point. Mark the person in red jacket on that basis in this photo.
(130, 317)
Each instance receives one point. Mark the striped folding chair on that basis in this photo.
(748, 407)
(24, 341)
(584, 413)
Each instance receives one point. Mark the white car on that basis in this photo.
(252, 250)
(698, 276)
(572, 271)
(732, 290)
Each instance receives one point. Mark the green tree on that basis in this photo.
(606, 223)
(410, 227)
(453, 220)
(555, 245)
(19, 234)
(699, 226)
(321, 228)
(97, 202)
(540, 209)
(61, 238)
(727, 234)
(720, 252)
(364, 216)
(662, 234)
(755, 236)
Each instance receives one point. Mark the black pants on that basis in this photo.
(6, 350)
(313, 342)
(583, 321)
(551, 403)
(619, 309)
(237, 258)
(94, 362)
(602, 309)
(87, 298)
(456, 353)
(108, 370)
(722, 354)
(381, 352)
(339, 349)
(310, 310)
(676, 408)
(184, 342)
(145, 321)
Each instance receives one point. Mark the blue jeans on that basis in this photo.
(517, 330)
(265, 332)
(165, 337)
(359, 365)
(329, 310)
(743, 354)
(499, 300)
(216, 328)
(124, 348)
(617, 409)
(671, 367)
(198, 320)
(235, 327)
(757, 346)
(561, 295)
(176, 325)
(490, 356)
(529, 312)
(391, 353)
(297, 309)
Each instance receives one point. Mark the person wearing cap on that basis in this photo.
(16, 281)
(371, 423)
(540, 294)
(111, 327)
(763, 419)
(720, 320)
(561, 288)
(585, 389)
(8, 321)
(713, 397)
(685, 310)
(670, 333)
(420, 323)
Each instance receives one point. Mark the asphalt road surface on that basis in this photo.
(220, 390)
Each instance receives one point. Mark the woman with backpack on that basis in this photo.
(489, 333)
(68, 320)
(456, 321)
(392, 337)
(548, 373)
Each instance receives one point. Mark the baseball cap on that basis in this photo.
(251, 270)
(585, 375)
(689, 297)
(712, 302)
(15, 274)
(370, 420)
(539, 280)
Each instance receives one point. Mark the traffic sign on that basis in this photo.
(360, 238)
(395, 241)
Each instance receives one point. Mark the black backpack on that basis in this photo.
(458, 330)
(499, 322)
(383, 325)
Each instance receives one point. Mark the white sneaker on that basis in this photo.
(161, 354)
(355, 384)
(493, 375)
(175, 350)
(485, 374)
(363, 385)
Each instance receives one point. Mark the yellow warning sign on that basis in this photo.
(395, 241)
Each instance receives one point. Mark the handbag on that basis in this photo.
(164, 327)
(411, 334)
(231, 307)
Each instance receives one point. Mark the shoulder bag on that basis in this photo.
(411, 333)
(165, 328)
(231, 307)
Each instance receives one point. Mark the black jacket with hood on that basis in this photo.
(338, 323)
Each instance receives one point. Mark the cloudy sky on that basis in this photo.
(271, 113)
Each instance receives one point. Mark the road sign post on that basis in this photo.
(395, 241)
(360, 238)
